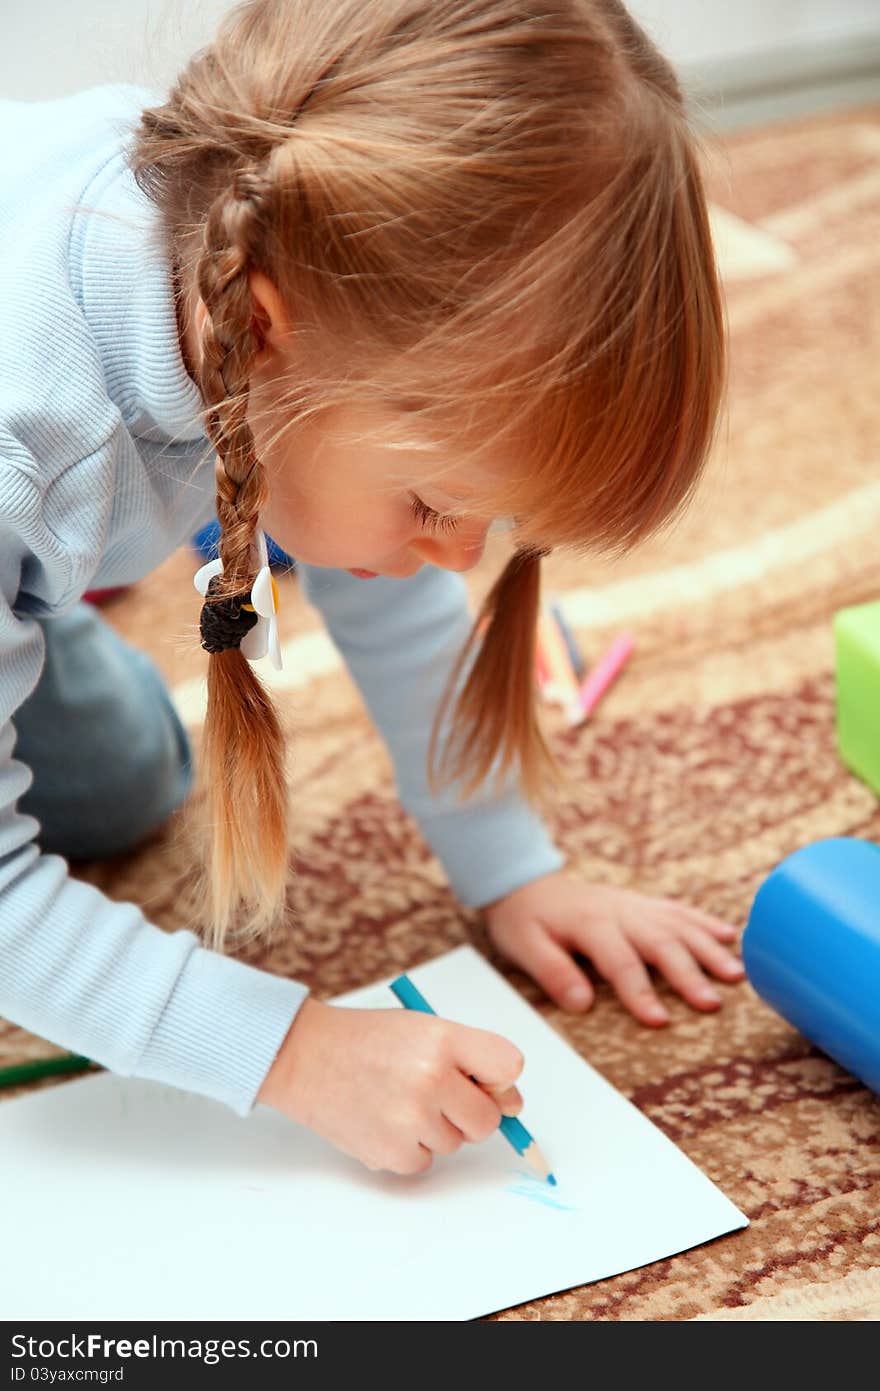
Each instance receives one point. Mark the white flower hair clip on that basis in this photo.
(249, 622)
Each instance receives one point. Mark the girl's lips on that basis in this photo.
(365, 574)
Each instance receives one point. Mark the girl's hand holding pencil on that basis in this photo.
(513, 1130)
(392, 1087)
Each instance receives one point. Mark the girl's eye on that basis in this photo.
(428, 518)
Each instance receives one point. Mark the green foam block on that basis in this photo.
(857, 662)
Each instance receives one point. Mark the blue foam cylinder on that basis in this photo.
(811, 949)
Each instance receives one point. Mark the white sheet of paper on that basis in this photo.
(124, 1198)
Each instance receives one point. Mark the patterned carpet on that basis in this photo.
(712, 758)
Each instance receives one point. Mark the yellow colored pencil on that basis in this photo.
(562, 683)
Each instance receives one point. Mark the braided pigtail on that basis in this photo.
(242, 754)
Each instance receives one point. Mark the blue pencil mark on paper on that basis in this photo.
(538, 1191)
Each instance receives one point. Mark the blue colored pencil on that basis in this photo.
(512, 1129)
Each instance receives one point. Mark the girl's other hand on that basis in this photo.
(541, 925)
(392, 1087)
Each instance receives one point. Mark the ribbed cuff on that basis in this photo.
(488, 851)
(221, 1029)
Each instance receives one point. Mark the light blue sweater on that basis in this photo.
(104, 471)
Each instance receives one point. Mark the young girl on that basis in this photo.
(373, 277)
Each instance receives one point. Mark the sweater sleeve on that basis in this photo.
(399, 640)
(90, 974)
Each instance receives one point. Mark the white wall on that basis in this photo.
(50, 47)
(695, 31)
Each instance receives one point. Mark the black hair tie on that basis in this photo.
(224, 623)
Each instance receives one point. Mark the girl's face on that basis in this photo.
(361, 506)
(357, 507)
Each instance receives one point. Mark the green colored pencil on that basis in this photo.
(43, 1067)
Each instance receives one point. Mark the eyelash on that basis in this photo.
(431, 520)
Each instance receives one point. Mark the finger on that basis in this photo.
(415, 1159)
(625, 971)
(674, 960)
(492, 1060)
(470, 1109)
(441, 1136)
(420, 1163)
(725, 932)
(554, 968)
(674, 913)
(509, 1099)
(713, 956)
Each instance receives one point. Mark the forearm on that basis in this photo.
(400, 640)
(95, 977)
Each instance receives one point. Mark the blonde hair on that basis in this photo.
(491, 210)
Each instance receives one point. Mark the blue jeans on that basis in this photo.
(110, 758)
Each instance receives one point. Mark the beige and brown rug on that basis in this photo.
(712, 758)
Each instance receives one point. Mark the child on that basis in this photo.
(372, 277)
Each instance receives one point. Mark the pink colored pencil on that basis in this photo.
(603, 673)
